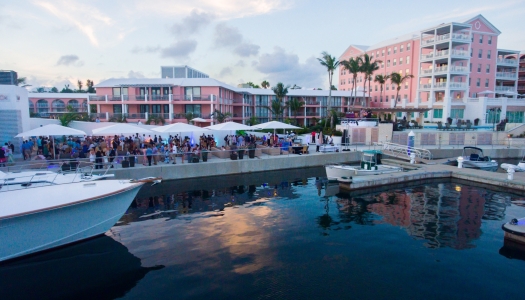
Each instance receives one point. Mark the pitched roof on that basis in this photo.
(484, 21)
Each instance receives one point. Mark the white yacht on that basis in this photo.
(370, 165)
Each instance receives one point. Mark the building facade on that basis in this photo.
(455, 66)
(8, 77)
(176, 99)
(181, 72)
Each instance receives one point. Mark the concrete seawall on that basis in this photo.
(217, 167)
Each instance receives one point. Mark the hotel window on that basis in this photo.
(116, 91)
(408, 60)
(489, 39)
(408, 47)
(406, 85)
(401, 61)
(393, 97)
(480, 53)
(387, 87)
(470, 52)
(377, 53)
(469, 81)
(470, 67)
(375, 88)
(380, 98)
(155, 109)
(478, 82)
(488, 68)
(383, 53)
(375, 98)
(481, 38)
(117, 108)
(486, 83)
(144, 108)
(401, 72)
(193, 108)
(382, 64)
(488, 54)
(395, 50)
(438, 112)
(395, 62)
(388, 53)
(401, 48)
(474, 95)
(388, 63)
(479, 68)
(407, 71)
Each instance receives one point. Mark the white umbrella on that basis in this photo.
(178, 127)
(485, 92)
(229, 126)
(52, 130)
(120, 129)
(511, 93)
(198, 120)
(275, 125)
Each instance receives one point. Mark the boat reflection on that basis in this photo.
(443, 215)
(99, 268)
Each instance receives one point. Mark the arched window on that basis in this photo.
(58, 106)
(42, 106)
(74, 104)
(31, 105)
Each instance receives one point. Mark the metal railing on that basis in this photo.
(507, 61)
(404, 151)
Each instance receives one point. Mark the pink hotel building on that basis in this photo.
(173, 98)
(453, 65)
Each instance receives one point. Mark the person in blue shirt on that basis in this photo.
(149, 153)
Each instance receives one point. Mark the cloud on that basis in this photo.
(192, 23)
(137, 49)
(85, 18)
(246, 49)
(221, 9)
(68, 60)
(225, 71)
(133, 74)
(280, 66)
(179, 49)
(230, 37)
(227, 36)
(240, 63)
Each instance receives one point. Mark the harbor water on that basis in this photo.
(288, 235)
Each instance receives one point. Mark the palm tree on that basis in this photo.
(352, 65)
(21, 81)
(398, 80)
(367, 67)
(189, 116)
(295, 105)
(277, 108)
(280, 92)
(331, 64)
(265, 84)
(79, 84)
(381, 79)
(220, 116)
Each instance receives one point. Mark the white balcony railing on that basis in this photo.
(461, 53)
(459, 36)
(504, 89)
(442, 53)
(459, 69)
(442, 85)
(506, 75)
(458, 85)
(443, 69)
(504, 61)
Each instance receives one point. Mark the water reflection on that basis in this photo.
(100, 268)
(444, 215)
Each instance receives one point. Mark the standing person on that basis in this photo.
(313, 137)
(318, 141)
(2, 157)
(149, 152)
(98, 158)
(173, 154)
(155, 153)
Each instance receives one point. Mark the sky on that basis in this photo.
(57, 42)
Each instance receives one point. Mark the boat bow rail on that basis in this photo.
(404, 151)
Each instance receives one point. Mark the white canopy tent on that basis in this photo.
(52, 130)
(178, 127)
(120, 129)
(198, 120)
(274, 125)
(229, 126)
(485, 92)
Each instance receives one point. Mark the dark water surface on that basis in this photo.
(288, 235)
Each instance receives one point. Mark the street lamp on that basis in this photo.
(494, 110)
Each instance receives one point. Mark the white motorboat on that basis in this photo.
(515, 230)
(520, 167)
(473, 158)
(34, 219)
(370, 165)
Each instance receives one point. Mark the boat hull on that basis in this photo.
(49, 228)
(485, 165)
(515, 232)
(334, 172)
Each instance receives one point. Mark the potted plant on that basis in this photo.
(251, 150)
(241, 152)
(449, 120)
(204, 154)
(476, 121)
